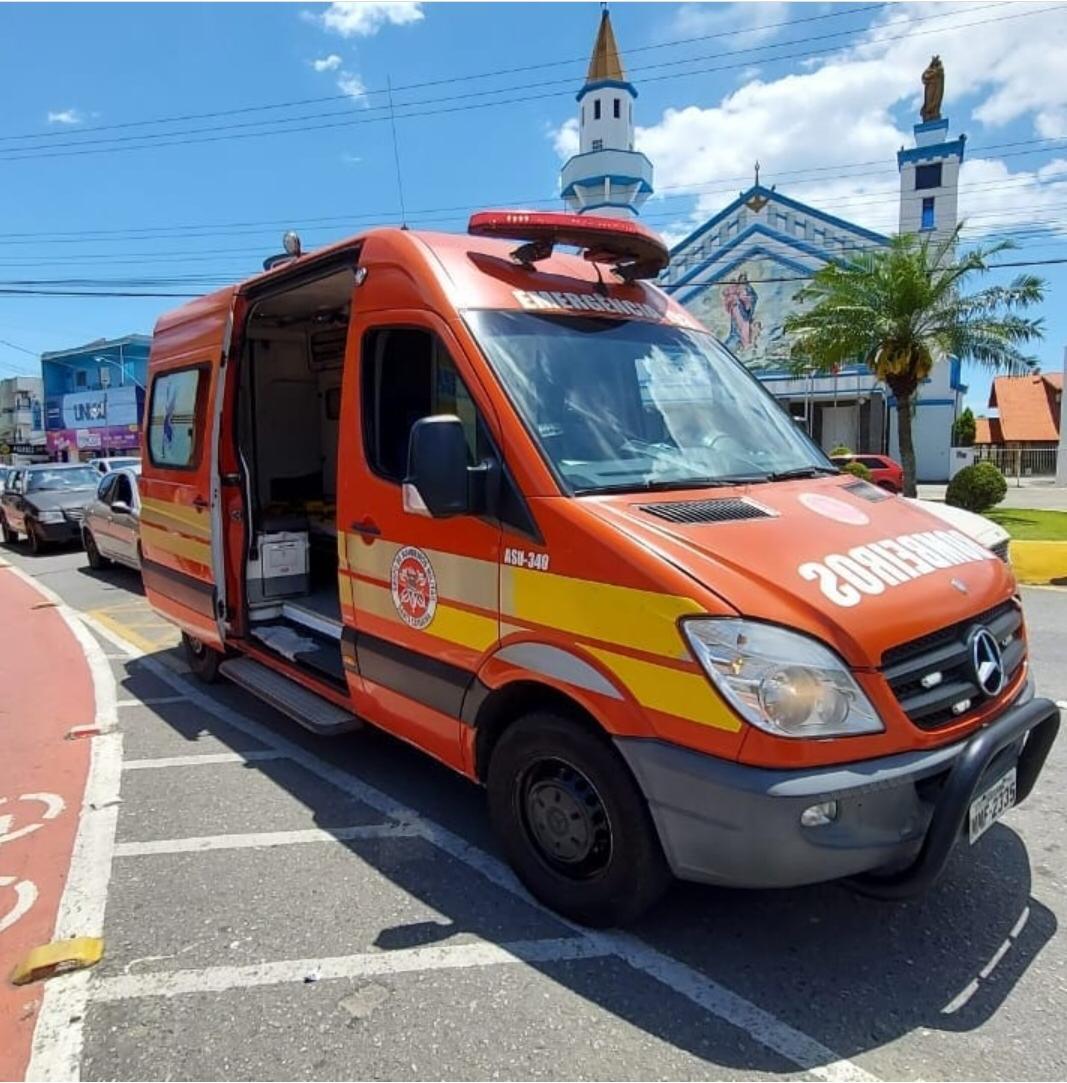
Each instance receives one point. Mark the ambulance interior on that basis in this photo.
(289, 407)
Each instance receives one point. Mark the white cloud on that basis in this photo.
(327, 63)
(365, 18)
(742, 25)
(351, 84)
(565, 138)
(65, 116)
(839, 110)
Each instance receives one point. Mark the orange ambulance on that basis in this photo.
(515, 506)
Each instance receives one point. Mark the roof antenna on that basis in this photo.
(396, 155)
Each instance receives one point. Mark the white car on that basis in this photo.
(116, 462)
(982, 530)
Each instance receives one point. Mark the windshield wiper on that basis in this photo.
(663, 485)
(802, 472)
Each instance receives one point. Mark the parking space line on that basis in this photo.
(762, 1026)
(258, 840)
(120, 632)
(218, 979)
(163, 762)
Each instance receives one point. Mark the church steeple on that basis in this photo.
(607, 176)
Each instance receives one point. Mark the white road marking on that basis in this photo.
(25, 897)
(263, 839)
(972, 987)
(765, 1028)
(53, 806)
(217, 979)
(162, 762)
(57, 1037)
(149, 701)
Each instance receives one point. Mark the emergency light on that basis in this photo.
(632, 249)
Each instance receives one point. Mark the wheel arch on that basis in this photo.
(529, 676)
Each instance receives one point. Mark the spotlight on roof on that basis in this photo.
(291, 243)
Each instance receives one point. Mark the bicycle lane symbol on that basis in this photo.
(15, 826)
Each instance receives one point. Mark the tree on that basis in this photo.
(902, 308)
(964, 428)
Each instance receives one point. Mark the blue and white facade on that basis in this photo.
(740, 271)
(607, 176)
(94, 398)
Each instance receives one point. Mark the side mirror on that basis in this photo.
(443, 484)
(120, 507)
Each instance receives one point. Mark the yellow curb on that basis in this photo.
(1039, 561)
(59, 957)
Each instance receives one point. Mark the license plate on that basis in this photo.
(991, 805)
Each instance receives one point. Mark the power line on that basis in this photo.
(456, 78)
(80, 148)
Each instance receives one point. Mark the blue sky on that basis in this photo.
(822, 94)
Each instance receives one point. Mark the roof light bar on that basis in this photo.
(632, 249)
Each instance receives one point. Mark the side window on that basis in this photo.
(123, 490)
(407, 374)
(106, 489)
(173, 432)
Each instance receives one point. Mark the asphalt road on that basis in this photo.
(286, 907)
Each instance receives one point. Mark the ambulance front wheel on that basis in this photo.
(573, 823)
(203, 660)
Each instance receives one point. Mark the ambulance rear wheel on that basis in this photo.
(573, 823)
(203, 660)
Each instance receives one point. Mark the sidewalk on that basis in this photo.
(1040, 495)
(46, 689)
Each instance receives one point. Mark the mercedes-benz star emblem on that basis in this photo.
(988, 662)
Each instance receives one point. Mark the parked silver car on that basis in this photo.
(111, 529)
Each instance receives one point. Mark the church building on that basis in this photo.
(740, 270)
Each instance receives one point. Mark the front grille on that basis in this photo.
(724, 510)
(947, 652)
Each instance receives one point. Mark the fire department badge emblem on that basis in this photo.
(414, 587)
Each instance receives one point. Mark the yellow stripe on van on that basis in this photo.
(169, 515)
(661, 688)
(169, 542)
(449, 623)
(460, 626)
(642, 619)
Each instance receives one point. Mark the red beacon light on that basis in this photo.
(630, 248)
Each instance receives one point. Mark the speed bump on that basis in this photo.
(59, 957)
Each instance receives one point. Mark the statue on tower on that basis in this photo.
(933, 90)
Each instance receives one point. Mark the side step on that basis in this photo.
(311, 711)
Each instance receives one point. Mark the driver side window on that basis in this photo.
(123, 491)
(106, 492)
(407, 374)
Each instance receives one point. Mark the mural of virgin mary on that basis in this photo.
(739, 300)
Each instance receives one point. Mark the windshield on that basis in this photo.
(619, 405)
(80, 477)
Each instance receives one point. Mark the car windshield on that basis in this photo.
(79, 477)
(620, 405)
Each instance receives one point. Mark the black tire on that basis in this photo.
(97, 562)
(10, 536)
(203, 660)
(33, 536)
(600, 865)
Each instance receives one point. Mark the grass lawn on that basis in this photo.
(1028, 524)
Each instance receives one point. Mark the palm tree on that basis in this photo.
(902, 308)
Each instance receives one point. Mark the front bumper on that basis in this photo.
(726, 823)
(66, 530)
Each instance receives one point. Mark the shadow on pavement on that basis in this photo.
(851, 972)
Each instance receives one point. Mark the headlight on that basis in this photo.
(50, 516)
(783, 682)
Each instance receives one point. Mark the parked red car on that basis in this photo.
(885, 471)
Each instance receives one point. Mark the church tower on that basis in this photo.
(930, 171)
(607, 176)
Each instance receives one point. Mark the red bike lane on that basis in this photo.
(45, 689)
